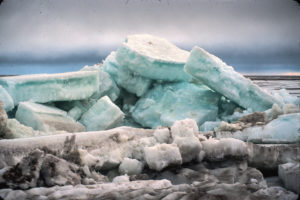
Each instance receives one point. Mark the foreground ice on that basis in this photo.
(125, 78)
(153, 58)
(104, 114)
(6, 99)
(289, 173)
(222, 78)
(166, 103)
(46, 118)
(51, 87)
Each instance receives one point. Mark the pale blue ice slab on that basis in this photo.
(153, 57)
(103, 115)
(222, 78)
(286, 128)
(166, 103)
(124, 77)
(51, 87)
(6, 99)
(46, 118)
(107, 86)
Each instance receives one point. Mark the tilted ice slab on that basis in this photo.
(166, 103)
(46, 118)
(153, 57)
(51, 87)
(6, 99)
(222, 78)
(104, 114)
(124, 77)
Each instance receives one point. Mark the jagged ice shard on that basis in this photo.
(104, 114)
(51, 87)
(222, 78)
(166, 103)
(46, 118)
(124, 77)
(6, 99)
(153, 58)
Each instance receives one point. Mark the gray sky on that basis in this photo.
(239, 31)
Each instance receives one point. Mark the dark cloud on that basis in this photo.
(252, 31)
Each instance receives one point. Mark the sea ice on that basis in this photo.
(289, 174)
(161, 156)
(107, 86)
(284, 129)
(124, 77)
(226, 147)
(167, 103)
(130, 166)
(153, 58)
(6, 99)
(222, 78)
(104, 114)
(51, 87)
(46, 118)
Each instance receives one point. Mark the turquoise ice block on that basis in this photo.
(51, 87)
(222, 78)
(166, 103)
(153, 57)
(46, 118)
(124, 77)
(104, 114)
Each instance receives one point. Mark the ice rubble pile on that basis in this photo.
(147, 83)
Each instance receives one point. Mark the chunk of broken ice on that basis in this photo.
(6, 99)
(124, 77)
(167, 103)
(104, 114)
(130, 166)
(46, 118)
(286, 128)
(161, 156)
(51, 87)
(153, 57)
(289, 173)
(226, 147)
(222, 78)
(107, 86)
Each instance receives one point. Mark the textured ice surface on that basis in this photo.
(222, 78)
(46, 118)
(167, 103)
(184, 134)
(107, 87)
(124, 77)
(6, 99)
(286, 97)
(220, 149)
(51, 87)
(153, 57)
(130, 166)
(283, 129)
(161, 156)
(102, 115)
(289, 174)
